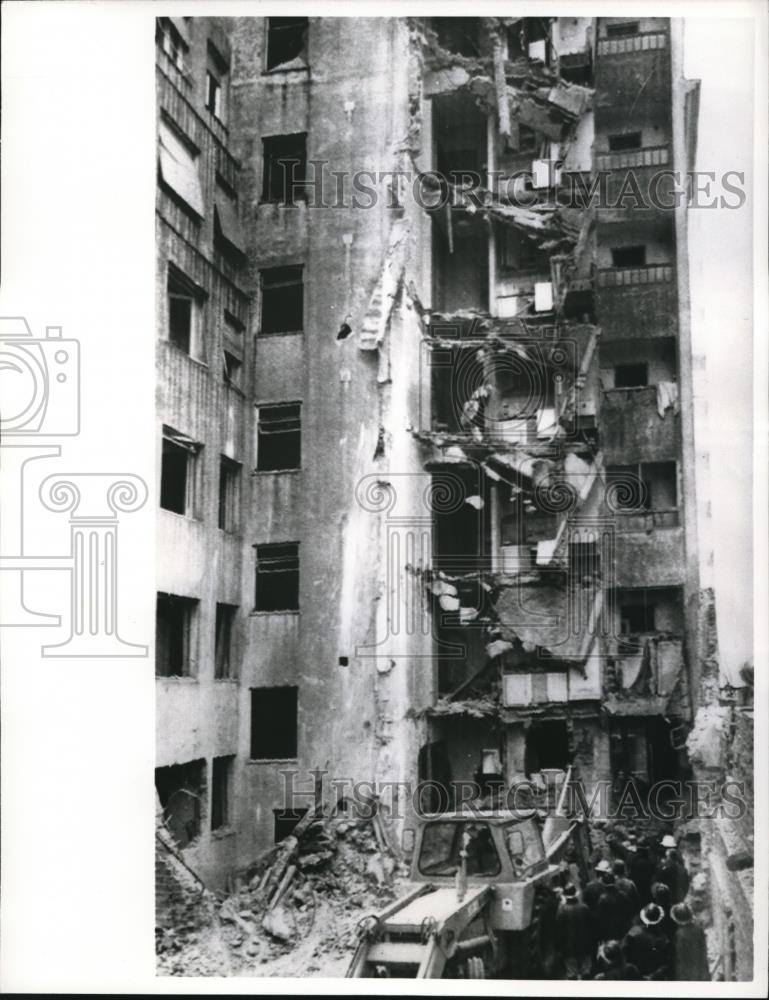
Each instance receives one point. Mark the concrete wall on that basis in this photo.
(197, 716)
(352, 708)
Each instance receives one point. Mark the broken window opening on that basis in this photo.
(660, 485)
(626, 141)
(221, 791)
(180, 309)
(213, 95)
(177, 472)
(641, 750)
(516, 41)
(173, 478)
(279, 437)
(538, 39)
(274, 723)
(634, 256)
(458, 34)
(631, 376)
(175, 625)
(285, 168)
(644, 610)
(646, 487)
(184, 313)
(282, 300)
(181, 789)
(434, 775)
(277, 577)
(458, 389)
(461, 277)
(460, 534)
(171, 41)
(547, 746)
(233, 370)
(229, 494)
(521, 254)
(217, 83)
(224, 647)
(287, 42)
(622, 30)
(234, 350)
(637, 619)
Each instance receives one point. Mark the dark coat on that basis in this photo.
(624, 971)
(573, 929)
(641, 871)
(592, 892)
(675, 876)
(628, 886)
(690, 954)
(614, 913)
(647, 949)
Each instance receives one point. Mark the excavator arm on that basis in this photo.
(416, 936)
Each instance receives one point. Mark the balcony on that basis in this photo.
(632, 430)
(632, 79)
(651, 156)
(553, 686)
(647, 520)
(650, 559)
(636, 302)
(643, 675)
(653, 183)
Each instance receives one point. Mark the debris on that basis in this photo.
(277, 924)
(298, 902)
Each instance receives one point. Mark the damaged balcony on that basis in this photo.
(645, 292)
(632, 72)
(640, 424)
(645, 675)
(650, 558)
(645, 496)
(530, 658)
(498, 384)
(637, 184)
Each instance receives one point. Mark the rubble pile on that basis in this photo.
(295, 910)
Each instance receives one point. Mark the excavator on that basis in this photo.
(483, 903)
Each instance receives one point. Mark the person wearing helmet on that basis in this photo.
(613, 965)
(647, 946)
(573, 934)
(690, 953)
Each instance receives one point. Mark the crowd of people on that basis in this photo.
(630, 920)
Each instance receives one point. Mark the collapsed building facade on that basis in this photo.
(427, 475)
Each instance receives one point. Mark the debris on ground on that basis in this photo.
(295, 910)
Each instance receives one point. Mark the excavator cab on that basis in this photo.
(481, 904)
(502, 849)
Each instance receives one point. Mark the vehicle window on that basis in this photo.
(524, 842)
(442, 842)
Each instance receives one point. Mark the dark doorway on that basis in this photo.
(434, 771)
(547, 745)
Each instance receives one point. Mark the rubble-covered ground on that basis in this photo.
(297, 911)
(342, 874)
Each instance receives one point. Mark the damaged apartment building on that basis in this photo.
(426, 463)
